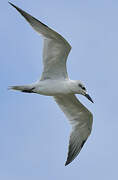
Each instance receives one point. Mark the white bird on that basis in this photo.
(55, 82)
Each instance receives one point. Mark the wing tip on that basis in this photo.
(67, 162)
(11, 4)
(17, 8)
(25, 14)
(71, 158)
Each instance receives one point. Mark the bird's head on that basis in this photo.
(79, 88)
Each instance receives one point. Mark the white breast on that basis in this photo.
(53, 87)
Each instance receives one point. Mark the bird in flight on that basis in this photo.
(56, 83)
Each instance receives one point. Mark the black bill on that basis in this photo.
(88, 97)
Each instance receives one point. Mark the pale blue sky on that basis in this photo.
(34, 132)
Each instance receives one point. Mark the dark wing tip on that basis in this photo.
(68, 161)
(12, 4)
(72, 154)
(27, 16)
(17, 8)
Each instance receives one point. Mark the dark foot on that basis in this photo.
(28, 90)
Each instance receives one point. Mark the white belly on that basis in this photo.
(52, 87)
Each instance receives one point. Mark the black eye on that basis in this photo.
(82, 87)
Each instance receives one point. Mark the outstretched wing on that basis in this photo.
(81, 120)
(55, 51)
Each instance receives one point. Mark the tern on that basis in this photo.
(56, 83)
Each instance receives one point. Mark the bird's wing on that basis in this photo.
(55, 51)
(81, 120)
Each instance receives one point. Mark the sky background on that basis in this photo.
(34, 132)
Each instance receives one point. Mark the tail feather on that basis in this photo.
(25, 88)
